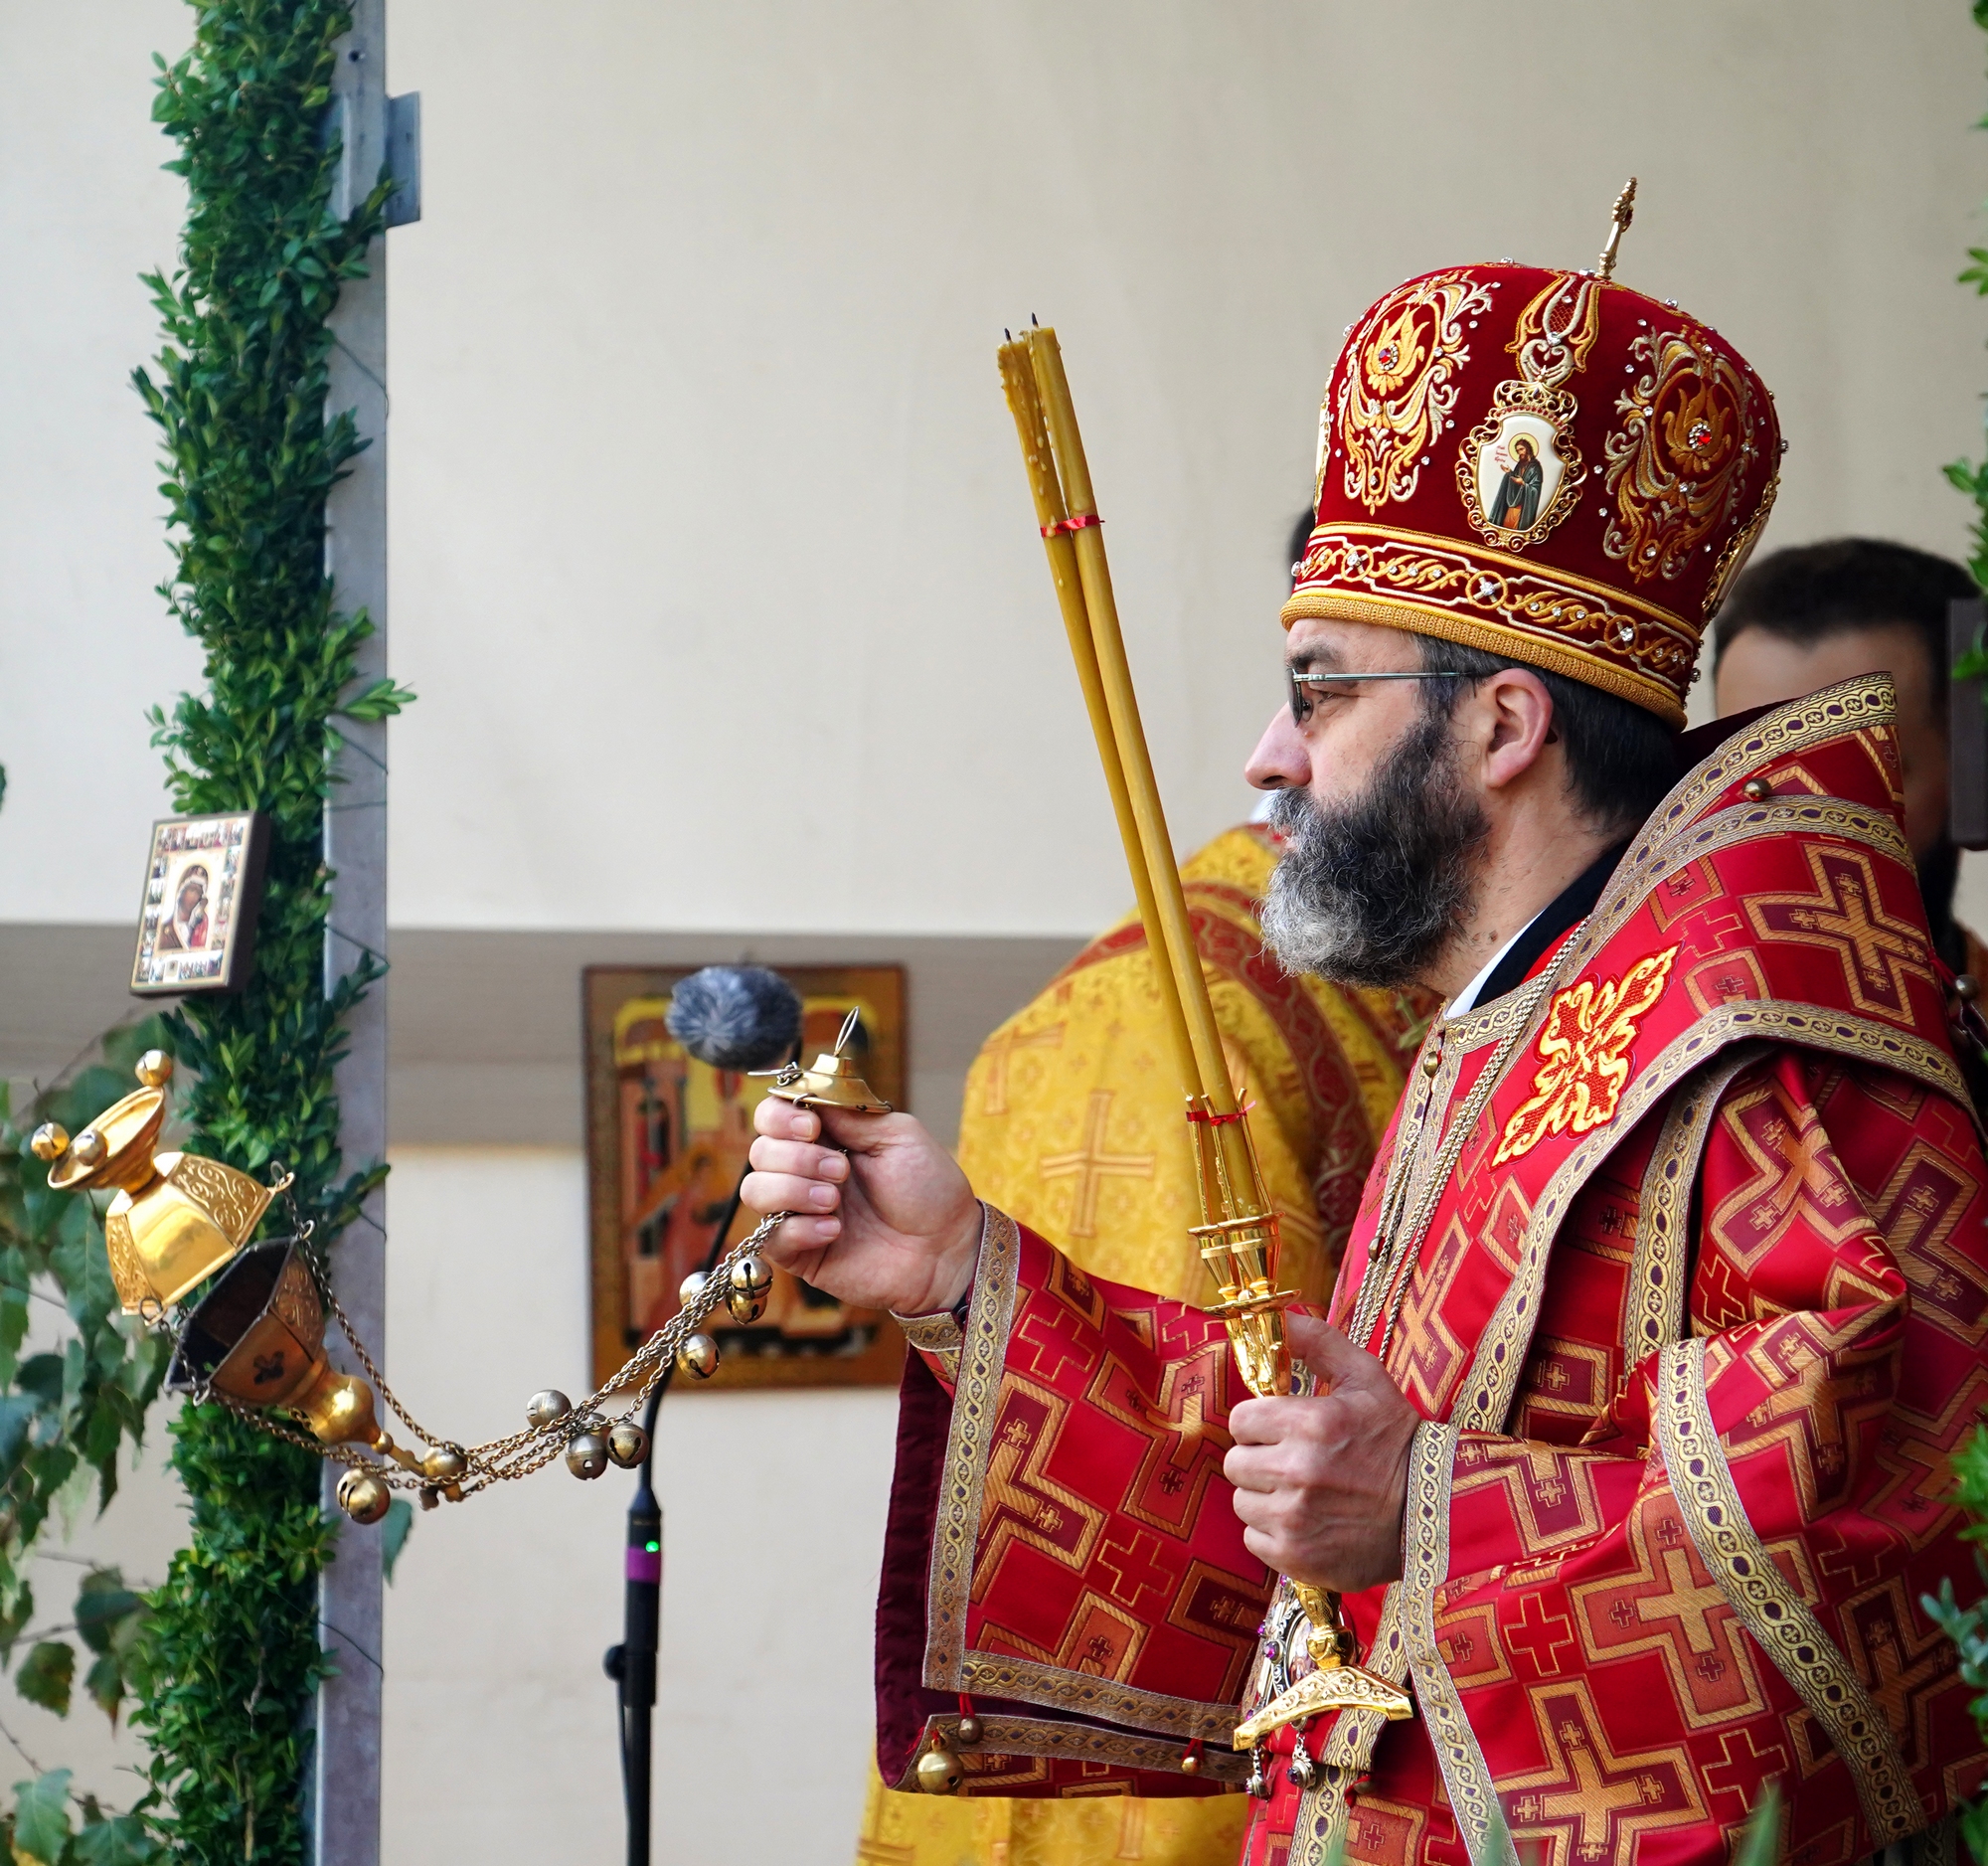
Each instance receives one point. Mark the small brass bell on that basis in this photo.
(587, 1454)
(969, 1729)
(832, 1082)
(698, 1357)
(49, 1142)
(627, 1443)
(547, 1407)
(155, 1069)
(364, 1497)
(441, 1465)
(752, 1281)
(939, 1771)
(690, 1288)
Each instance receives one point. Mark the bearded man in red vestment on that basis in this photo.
(1626, 1440)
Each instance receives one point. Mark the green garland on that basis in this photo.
(239, 391)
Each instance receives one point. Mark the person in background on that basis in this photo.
(1071, 1121)
(1801, 619)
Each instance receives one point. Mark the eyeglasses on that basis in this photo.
(1301, 703)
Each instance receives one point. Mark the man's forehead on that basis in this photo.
(1324, 644)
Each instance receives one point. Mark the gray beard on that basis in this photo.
(1370, 892)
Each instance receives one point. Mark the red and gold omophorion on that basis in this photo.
(1681, 1248)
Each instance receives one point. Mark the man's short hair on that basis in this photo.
(1621, 758)
(1814, 592)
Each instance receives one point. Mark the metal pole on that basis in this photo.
(376, 132)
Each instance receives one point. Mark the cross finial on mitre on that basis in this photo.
(1618, 225)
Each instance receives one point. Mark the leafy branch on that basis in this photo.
(239, 391)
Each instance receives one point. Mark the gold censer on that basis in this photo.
(253, 1336)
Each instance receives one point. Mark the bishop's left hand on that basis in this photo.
(1320, 1482)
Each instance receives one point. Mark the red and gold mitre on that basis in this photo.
(1542, 464)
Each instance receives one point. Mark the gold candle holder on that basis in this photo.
(1237, 1235)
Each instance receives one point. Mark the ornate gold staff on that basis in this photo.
(1237, 1235)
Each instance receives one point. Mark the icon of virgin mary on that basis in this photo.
(187, 930)
(1516, 504)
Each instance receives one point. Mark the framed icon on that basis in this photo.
(197, 912)
(666, 1140)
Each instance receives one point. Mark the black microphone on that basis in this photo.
(733, 1017)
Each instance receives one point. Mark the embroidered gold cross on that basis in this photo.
(1091, 1165)
(1583, 1050)
(1690, 1605)
(999, 1051)
(1845, 915)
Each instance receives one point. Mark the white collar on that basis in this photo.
(1466, 999)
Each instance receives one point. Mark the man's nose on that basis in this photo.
(1280, 761)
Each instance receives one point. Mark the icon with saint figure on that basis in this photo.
(1520, 468)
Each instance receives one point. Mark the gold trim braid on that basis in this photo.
(1493, 638)
(1653, 1316)
(1086, 1695)
(1040, 1736)
(1474, 594)
(1769, 1605)
(1426, 1552)
(969, 1438)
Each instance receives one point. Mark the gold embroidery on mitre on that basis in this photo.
(1519, 472)
(1584, 1049)
(1738, 547)
(1470, 593)
(1395, 389)
(1677, 467)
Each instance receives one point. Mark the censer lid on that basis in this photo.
(832, 1080)
(115, 1149)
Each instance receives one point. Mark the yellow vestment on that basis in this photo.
(1072, 1123)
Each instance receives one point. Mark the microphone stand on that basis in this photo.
(632, 1663)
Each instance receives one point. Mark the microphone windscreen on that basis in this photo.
(736, 1017)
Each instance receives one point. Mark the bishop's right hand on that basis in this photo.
(883, 1217)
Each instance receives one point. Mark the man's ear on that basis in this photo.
(1518, 723)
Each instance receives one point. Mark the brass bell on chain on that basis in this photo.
(175, 1218)
(364, 1498)
(698, 1357)
(547, 1407)
(587, 1454)
(627, 1443)
(751, 1282)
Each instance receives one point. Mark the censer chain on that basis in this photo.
(522, 1453)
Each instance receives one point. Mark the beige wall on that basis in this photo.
(700, 478)
(714, 571)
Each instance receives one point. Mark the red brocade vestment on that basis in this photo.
(1681, 1249)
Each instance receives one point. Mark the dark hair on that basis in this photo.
(1301, 529)
(1621, 758)
(1814, 592)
